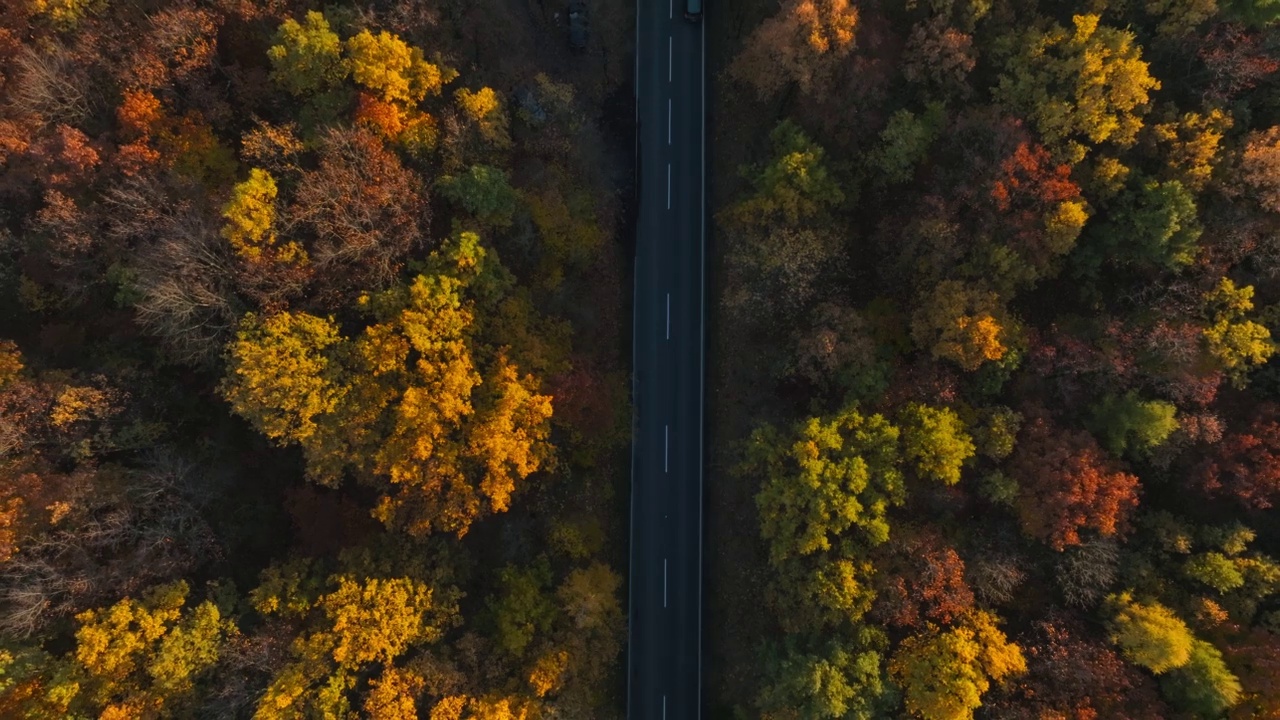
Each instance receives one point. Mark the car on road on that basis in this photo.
(578, 25)
(693, 10)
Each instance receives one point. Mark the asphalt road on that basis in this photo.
(665, 647)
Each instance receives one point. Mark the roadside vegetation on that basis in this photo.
(994, 413)
(313, 395)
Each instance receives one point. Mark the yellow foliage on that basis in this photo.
(449, 708)
(250, 214)
(485, 110)
(80, 403)
(944, 673)
(548, 672)
(961, 324)
(387, 65)
(64, 14)
(393, 696)
(1190, 145)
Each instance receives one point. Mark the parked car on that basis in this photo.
(578, 25)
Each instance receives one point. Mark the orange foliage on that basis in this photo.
(1068, 484)
(138, 114)
(382, 116)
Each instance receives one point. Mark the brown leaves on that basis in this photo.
(804, 43)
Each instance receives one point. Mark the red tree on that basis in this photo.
(1246, 465)
(1068, 484)
(1072, 676)
(920, 578)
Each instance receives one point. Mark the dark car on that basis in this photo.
(578, 25)
(693, 10)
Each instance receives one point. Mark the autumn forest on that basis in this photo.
(1009, 429)
(315, 376)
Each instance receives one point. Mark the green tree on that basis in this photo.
(794, 185)
(1215, 570)
(307, 57)
(1156, 225)
(839, 679)
(1148, 634)
(483, 191)
(523, 607)
(1127, 423)
(1087, 84)
(935, 441)
(824, 477)
(1204, 686)
(904, 143)
(944, 673)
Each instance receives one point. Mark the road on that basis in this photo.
(665, 617)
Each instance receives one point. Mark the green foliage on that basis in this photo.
(1148, 634)
(522, 608)
(1127, 423)
(1204, 687)
(307, 57)
(837, 680)
(999, 488)
(944, 673)
(1215, 570)
(824, 477)
(1157, 225)
(996, 432)
(935, 441)
(905, 142)
(794, 185)
(483, 191)
(1256, 13)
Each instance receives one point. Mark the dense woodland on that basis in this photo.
(313, 397)
(996, 389)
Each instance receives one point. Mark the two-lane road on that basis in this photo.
(665, 646)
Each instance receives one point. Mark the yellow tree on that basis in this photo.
(415, 405)
(964, 324)
(1087, 84)
(140, 657)
(944, 673)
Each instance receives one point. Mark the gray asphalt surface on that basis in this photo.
(665, 650)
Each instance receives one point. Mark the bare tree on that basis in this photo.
(50, 85)
(185, 273)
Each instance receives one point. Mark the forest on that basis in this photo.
(997, 432)
(313, 389)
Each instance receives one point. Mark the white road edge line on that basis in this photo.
(668, 121)
(668, 316)
(664, 582)
(668, 186)
(702, 356)
(666, 449)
